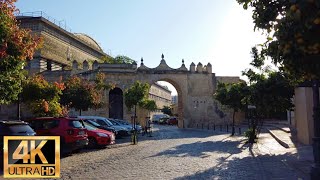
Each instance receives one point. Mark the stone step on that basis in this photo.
(280, 127)
(283, 138)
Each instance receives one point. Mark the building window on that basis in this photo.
(49, 65)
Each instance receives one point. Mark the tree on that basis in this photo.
(120, 59)
(270, 92)
(293, 44)
(232, 96)
(134, 96)
(16, 46)
(81, 94)
(149, 105)
(291, 27)
(166, 110)
(42, 97)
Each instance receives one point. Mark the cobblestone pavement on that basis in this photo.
(183, 154)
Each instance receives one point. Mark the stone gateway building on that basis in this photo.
(65, 54)
(195, 87)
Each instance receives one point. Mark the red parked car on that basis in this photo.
(73, 134)
(99, 137)
(172, 121)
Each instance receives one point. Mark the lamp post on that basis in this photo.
(252, 123)
(315, 170)
(19, 107)
(19, 97)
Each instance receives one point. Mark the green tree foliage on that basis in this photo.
(149, 105)
(42, 97)
(16, 46)
(120, 59)
(233, 96)
(293, 28)
(167, 110)
(134, 96)
(271, 95)
(270, 91)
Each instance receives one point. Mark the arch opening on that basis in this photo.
(167, 95)
(116, 103)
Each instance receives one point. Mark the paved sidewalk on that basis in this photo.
(299, 157)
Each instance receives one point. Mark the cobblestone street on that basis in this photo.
(183, 154)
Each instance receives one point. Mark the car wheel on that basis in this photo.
(92, 142)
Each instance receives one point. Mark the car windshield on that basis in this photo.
(93, 123)
(20, 128)
(114, 122)
(108, 122)
(89, 126)
(123, 122)
(76, 124)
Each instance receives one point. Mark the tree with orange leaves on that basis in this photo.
(16, 46)
(42, 97)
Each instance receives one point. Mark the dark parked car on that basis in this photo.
(95, 124)
(163, 120)
(73, 134)
(99, 137)
(123, 122)
(105, 123)
(13, 128)
(116, 123)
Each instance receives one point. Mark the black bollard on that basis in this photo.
(202, 126)
(208, 127)
(239, 130)
(227, 128)
(214, 127)
(220, 127)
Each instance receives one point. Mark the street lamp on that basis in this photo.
(315, 170)
(252, 123)
(19, 97)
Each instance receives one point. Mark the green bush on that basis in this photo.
(251, 134)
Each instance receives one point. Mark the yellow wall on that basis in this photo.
(303, 114)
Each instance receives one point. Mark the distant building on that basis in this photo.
(161, 95)
(60, 47)
(174, 99)
(59, 51)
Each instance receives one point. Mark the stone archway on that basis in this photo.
(195, 87)
(116, 103)
(180, 98)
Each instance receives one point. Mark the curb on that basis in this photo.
(280, 128)
(278, 139)
(118, 145)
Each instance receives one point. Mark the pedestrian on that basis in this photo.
(147, 127)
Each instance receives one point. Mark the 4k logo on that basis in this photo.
(31, 156)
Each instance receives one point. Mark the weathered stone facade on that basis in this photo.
(65, 54)
(59, 47)
(195, 89)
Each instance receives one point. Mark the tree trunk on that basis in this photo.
(233, 128)
(80, 112)
(134, 134)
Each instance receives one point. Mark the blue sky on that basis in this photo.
(215, 31)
